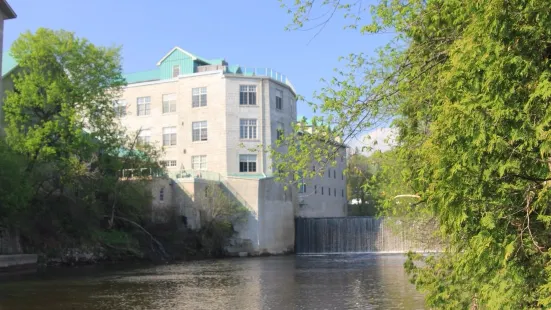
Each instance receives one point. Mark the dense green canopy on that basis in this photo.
(468, 87)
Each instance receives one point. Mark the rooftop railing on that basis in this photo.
(272, 74)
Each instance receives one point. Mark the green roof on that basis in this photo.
(8, 63)
(143, 76)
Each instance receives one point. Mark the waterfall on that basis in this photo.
(354, 235)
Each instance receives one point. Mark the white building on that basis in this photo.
(212, 119)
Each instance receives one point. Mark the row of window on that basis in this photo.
(247, 96)
(247, 131)
(247, 163)
(302, 189)
(329, 171)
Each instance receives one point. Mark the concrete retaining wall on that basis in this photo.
(18, 260)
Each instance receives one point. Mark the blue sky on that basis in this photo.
(245, 32)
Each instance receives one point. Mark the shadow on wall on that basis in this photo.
(266, 228)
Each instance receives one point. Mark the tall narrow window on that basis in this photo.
(279, 131)
(199, 162)
(302, 188)
(169, 136)
(120, 108)
(162, 194)
(334, 174)
(144, 137)
(175, 70)
(279, 100)
(315, 189)
(247, 95)
(247, 163)
(144, 105)
(247, 129)
(199, 97)
(199, 131)
(322, 190)
(169, 103)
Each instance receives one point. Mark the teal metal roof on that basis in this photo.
(143, 76)
(8, 63)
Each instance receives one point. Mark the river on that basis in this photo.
(286, 282)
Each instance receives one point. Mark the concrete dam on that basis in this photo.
(363, 234)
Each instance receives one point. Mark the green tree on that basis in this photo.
(359, 174)
(60, 123)
(467, 85)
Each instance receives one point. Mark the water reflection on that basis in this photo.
(292, 282)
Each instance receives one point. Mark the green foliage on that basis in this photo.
(15, 191)
(65, 153)
(466, 84)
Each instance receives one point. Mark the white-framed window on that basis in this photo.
(199, 97)
(279, 131)
(247, 129)
(247, 95)
(169, 136)
(175, 70)
(120, 107)
(199, 131)
(143, 105)
(247, 163)
(279, 99)
(144, 137)
(199, 162)
(168, 163)
(169, 103)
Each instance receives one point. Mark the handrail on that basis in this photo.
(272, 74)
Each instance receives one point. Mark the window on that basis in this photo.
(199, 162)
(120, 108)
(302, 188)
(169, 103)
(175, 70)
(279, 131)
(279, 99)
(247, 129)
(199, 131)
(342, 192)
(144, 137)
(168, 163)
(162, 194)
(315, 189)
(314, 168)
(169, 136)
(247, 163)
(247, 95)
(199, 97)
(322, 190)
(334, 174)
(144, 105)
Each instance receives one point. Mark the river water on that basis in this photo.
(288, 282)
